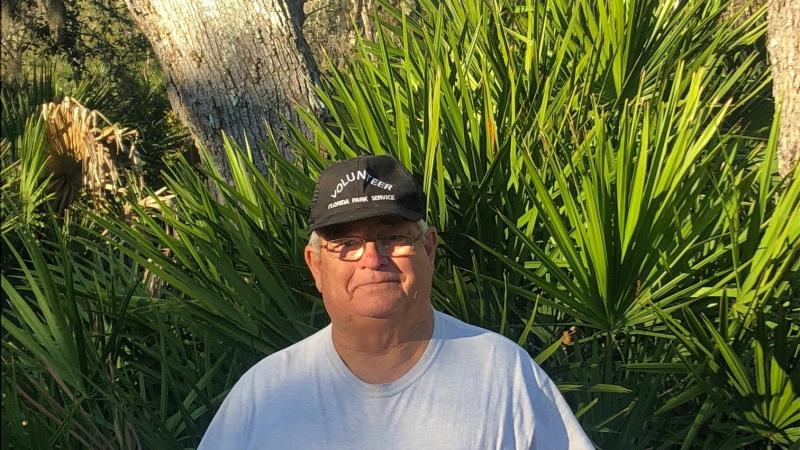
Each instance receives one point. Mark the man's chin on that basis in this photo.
(378, 304)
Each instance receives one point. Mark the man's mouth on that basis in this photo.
(375, 283)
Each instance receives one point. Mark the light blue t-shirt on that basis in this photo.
(471, 389)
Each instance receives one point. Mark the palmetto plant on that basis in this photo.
(42, 83)
(74, 379)
(87, 152)
(61, 150)
(88, 360)
(742, 359)
(237, 257)
(24, 185)
(747, 378)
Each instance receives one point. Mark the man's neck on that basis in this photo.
(380, 351)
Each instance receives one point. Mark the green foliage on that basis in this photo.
(235, 256)
(24, 187)
(69, 385)
(132, 341)
(91, 51)
(95, 363)
(42, 83)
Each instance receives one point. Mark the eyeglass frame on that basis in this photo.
(363, 248)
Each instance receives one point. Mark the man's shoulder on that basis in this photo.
(459, 331)
(476, 347)
(263, 395)
(294, 358)
(468, 339)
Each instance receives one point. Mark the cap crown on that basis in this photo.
(363, 187)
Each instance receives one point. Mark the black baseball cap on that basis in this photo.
(364, 187)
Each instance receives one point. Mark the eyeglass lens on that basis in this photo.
(352, 249)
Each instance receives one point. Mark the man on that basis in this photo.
(389, 372)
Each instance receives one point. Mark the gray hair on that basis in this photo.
(315, 242)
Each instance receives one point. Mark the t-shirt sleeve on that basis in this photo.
(232, 425)
(555, 426)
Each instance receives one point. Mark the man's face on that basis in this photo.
(375, 286)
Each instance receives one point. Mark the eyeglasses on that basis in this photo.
(352, 248)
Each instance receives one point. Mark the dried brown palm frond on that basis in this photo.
(153, 201)
(87, 152)
(152, 204)
(90, 154)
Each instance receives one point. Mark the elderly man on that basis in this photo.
(389, 371)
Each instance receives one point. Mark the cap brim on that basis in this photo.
(367, 213)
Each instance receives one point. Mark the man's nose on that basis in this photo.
(371, 258)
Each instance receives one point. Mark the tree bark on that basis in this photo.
(232, 65)
(12, 43)
(783, 30)
(362, 11)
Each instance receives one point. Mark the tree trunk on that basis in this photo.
(11, 41)
(362, 11)
(783, 30)
(231, 65)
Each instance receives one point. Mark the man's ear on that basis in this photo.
(430, 243)
(313, 262)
